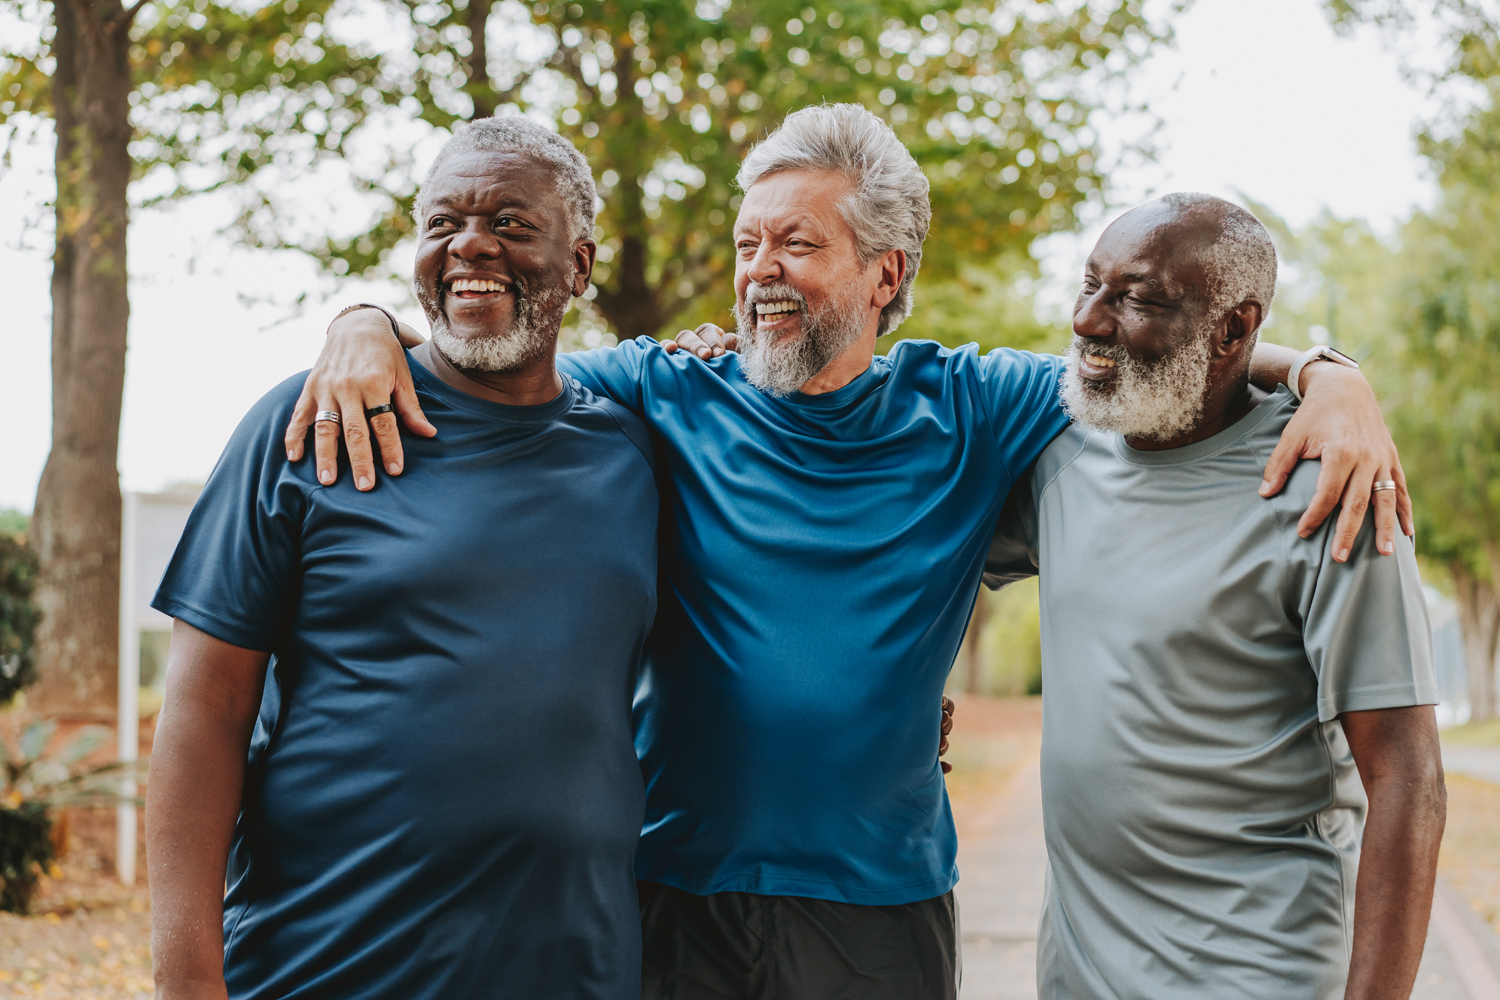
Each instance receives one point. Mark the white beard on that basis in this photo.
(780, 369)
(1155, 402)
(532, 334)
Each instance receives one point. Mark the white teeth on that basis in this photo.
(477, 285)
(1099, 362)
(770, 308)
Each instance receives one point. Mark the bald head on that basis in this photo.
(1235, 258)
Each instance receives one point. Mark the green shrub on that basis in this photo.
(25, 849)
(18, 615)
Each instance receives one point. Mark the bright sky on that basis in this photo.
(1261, 98)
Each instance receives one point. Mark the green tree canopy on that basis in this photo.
(664, 97)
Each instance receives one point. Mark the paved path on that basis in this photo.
(1477, 762)
(1000, 895)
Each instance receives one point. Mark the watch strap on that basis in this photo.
(1318, 352)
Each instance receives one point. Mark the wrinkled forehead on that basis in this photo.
(788, 199)
(502, 177)
(1163, 247)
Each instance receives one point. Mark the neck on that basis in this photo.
(847, 367)
(531, 385)
(1224, 408)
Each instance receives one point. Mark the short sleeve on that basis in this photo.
(1020, 398)
(235, 572)
(612, 372)
(1364, 624)
(1014, 554)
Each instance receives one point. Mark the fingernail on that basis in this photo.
(325, 477)
(394, 469)
(1343, 554)
(704, 353)
(1265, 487)
(364, 482)
(718, 351)
(1386, 548)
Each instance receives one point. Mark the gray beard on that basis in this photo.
(1155, 402)
(532, 334)
(780, 369)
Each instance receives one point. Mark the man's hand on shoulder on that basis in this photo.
(707, 341)
(360, 368)
(1340, 423)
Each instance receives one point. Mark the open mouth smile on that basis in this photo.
(772, 314)
(472, 289)
(1096, 367)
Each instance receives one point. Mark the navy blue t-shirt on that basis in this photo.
(442, 797)
(821, 557)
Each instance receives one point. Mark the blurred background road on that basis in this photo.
(997, 802)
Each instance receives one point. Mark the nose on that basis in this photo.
(764, 268)
(474, 243)
(1091, 317)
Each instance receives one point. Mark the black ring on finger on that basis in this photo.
(376, 411)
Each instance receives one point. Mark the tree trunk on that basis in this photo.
(76, 524)
(1479, 618)
(479, 88)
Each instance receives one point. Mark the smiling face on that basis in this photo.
(1143, 345)
(495, 266)
(802, 295)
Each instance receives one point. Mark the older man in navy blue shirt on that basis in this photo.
(441, 797)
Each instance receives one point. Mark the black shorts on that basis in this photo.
(740, 946)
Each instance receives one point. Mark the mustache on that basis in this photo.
(776, 292)
(1112, 352)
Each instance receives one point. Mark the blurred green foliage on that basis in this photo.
(665, 96)
(19, 615)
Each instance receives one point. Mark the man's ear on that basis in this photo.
(1239, 328)
(584, 252)
(892, 265)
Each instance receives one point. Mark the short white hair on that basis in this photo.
(1241, 263)
(519, 134)
(887, 208)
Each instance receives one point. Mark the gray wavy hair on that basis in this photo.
(518, 134)
(888, 208)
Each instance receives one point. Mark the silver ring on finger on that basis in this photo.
(332, 416)
(1383, 484)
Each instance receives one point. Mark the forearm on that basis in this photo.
(1270, 365)
(193, 799)
(1393, 893)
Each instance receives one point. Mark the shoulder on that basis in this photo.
(1302, 484)
(271, 413)
(1063, 454)
(613, 419)
(1002, 364)
(644, 358)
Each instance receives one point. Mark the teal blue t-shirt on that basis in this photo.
(820, 557)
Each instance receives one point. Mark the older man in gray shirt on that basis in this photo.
(1230, 714)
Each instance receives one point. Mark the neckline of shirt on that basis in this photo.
(457, 398)
(1276, 402)
(863, 382)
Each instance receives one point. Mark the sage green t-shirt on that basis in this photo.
(1202, 809)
